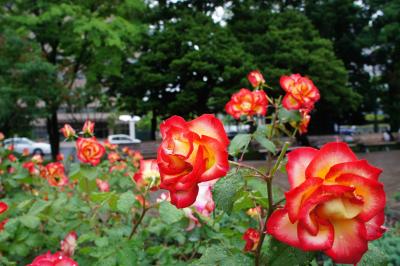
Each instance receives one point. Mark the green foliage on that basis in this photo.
(223, 256)
(225, 191)
(292, 256)
(239, 144)
(169, 214)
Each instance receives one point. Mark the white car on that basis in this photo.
(122, 139)
(24, 143)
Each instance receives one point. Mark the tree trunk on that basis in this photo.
(153, 128)
(53, 131)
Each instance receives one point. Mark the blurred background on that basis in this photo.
(68, 61)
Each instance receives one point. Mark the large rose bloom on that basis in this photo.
(56, 259)
(191, 153)
(335, 203)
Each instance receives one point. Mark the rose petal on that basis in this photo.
(290, 103)
(360, 168)
(298, 160)
(375, 228)
(349, 241)
(371, 192)
(329, 155)
(322, 240)
(280, 227)
(209, 125)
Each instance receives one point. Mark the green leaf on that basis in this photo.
(374, 257)
(169, 214)
(266, 143)
(222, 256)
(30, 221)
(238, 143)
(89, 172)
(38, 207)
(285, 115)
(278, 254)
(100, 197)
(125, 202)
(225, 190)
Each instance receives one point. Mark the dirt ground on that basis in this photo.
(389, 161)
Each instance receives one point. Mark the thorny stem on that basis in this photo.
(238, 164)
(271, 205)
(138, 222)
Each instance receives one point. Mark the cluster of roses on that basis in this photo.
(301, 95)
(335, 203)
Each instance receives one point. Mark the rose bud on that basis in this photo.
(252, 237)
(255, 78)
(68, 132)
(69, 244)
(103, 186)
(88, 128)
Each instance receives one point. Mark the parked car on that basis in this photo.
(24, 143)
(122, 139)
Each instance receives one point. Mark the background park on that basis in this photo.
(128, 65)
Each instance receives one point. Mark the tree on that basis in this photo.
(189, 65)
(287, 42)
(24, 76)
(91, 40)
(383, 45)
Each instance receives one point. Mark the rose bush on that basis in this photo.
(109, 208)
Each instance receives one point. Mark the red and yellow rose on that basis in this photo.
(191, 153)
(335, 203)
(55, 174)
(301, 93)
(247, 103)
(89, 150)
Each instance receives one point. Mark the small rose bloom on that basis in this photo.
(300, 92)
(247, 103)
(89, 150)
(103, 186)
(56, 259)
(148, 175)
(254, 212)
(252, 237)
(11, 170)
(12, 158)
(191, 153)
(110, 146)
(31, 167)
(113, 157)
(10, 147)
(3, 207)
(305, 120)
(136, 157)
(55, 174)
(1, 136)
(37, 158)
(119, 166)
(88, 128)
(255, 78)
(335, 203)
(68, 131)
(25, 152)
(60, 157)
(69, 244)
